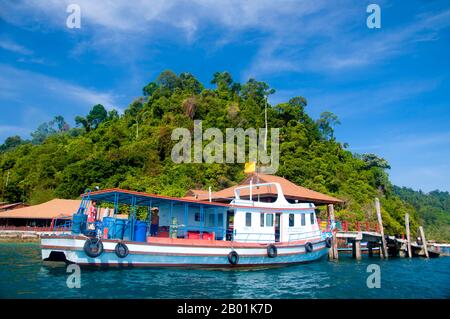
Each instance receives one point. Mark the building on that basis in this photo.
(38, 215)
(6, 206)
(292, 192)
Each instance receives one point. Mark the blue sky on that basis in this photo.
(390, 87)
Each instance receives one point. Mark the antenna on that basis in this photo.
(265, 120)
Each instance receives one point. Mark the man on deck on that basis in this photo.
(92, 215)
(154, 222)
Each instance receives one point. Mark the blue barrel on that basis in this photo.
(140, 231)
(78, 223)
(119, 228)
(127, 229)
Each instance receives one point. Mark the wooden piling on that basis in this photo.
(380, 223)
(357, 249)
(408, 236)
(333, 252)
(370, 248)
(424, 241)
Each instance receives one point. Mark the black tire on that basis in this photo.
(121, 250)
(93, 247)
(328, 242)
(272, 251)
(308, 247)
(233, 257)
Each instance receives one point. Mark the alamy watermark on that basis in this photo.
(74, 279)
(73, 20)
(374, 19)
(213, 152)
(374, 279)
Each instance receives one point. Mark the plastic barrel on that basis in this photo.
(140, 231)
(126, 229)
(119, 228)
(78, 223)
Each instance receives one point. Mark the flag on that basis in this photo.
(250, 167)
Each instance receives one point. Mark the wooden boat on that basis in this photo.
(443, 249)
(243, 233)
(417, 251)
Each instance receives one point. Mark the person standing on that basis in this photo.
(154, 222)
(92, 215)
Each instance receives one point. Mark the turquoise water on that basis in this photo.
(23, 275)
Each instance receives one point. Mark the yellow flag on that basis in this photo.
(250, 167)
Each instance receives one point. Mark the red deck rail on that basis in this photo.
(344, 225)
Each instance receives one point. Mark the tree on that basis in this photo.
(256, 90)
(11, 142)
(373, 160)
(43, 131)
(149, 89)
(190, 84)
(60, 123)
(96, 116)
(168, 80)
(326, 124)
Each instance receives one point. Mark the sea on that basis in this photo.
(24, 275)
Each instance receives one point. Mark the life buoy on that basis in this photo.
(93, 247)
(121, 250)
(233, 257)
(308, 247)
(272, 251)
(328, 242)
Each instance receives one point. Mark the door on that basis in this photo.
(230, 225)
(277, 226)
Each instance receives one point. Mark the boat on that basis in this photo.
(417, 251)
(242, 233)
(443, 249)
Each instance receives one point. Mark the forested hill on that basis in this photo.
(133, 150)
(433, 208)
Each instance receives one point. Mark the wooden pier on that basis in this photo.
(375, 239)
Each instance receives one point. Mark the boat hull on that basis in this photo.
(176, 254)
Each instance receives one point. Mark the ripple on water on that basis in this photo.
(23, 275)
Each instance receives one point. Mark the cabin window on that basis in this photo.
(291, 220)
(212, 219)
(269, 220)
(262, 219)
(248, 219)
(303, 221)
(311, 216)
(198, 217)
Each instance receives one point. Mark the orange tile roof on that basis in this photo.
(291, 190)
(51, 209)
(197, 194)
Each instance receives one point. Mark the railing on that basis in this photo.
(27, 228)
(343, 225)
(304, 235)
(270, 237)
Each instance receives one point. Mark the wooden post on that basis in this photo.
(356, 248)
(408, 235)
(380, 223)
(424, 241)
(370, 248)
(333, 252)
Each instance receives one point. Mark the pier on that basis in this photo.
(372, 234)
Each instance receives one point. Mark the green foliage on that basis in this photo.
(433, 210)
(11, 142)
(132, 151)
(96, 116)
(326, 124)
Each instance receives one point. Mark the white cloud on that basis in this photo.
(14, 47)
(17, 84)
